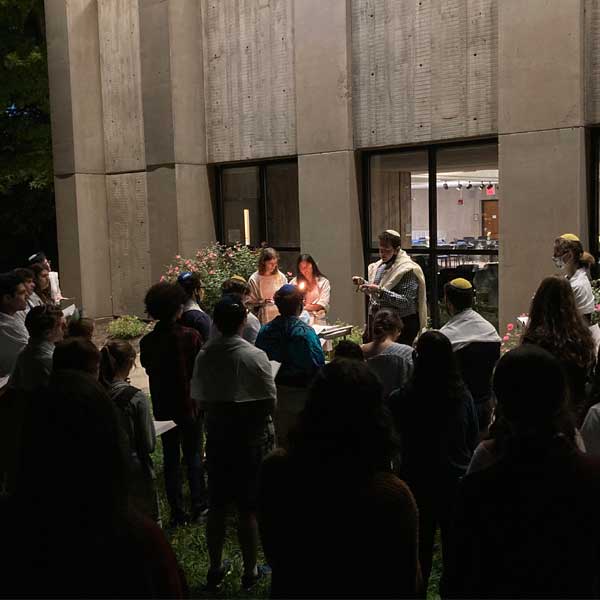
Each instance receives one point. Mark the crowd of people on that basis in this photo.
(343, 469)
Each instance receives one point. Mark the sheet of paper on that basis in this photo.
(162, 426)
(68, 311)
(275, 366)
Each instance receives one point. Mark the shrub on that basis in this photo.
(215, 264)
(127, 327)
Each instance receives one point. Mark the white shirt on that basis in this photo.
(13, 338)
(582, 290)
(590, 430)
(467, 327)
(230, 369)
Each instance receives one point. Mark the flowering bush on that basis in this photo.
(512, 337)
(215, 264)
(596, 290)
(127, 327)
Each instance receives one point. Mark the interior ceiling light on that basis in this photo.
(490, 186)
(445, 186)
(482, 186)
(459, 186)
(469, 185)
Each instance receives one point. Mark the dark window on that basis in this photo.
(444, 200)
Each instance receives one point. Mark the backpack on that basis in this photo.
(125, 414)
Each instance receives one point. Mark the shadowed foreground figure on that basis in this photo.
(528, 526)
(334, 521)
(68, 531)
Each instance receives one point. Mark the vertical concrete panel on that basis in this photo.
(162, 219)
(323, 92)
(195, 220)
(61, 115)
(67, 226)
(187, 81)
(423, 70)
(121, 85)
(541, 64)
(249, 79)
(83, 242)
(592, 60)
(330, 227)
(543, 195)
(94, 251)
(156, 81)
(129, 241)
(86, 89)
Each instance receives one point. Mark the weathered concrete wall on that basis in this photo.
(423, 70)
(249, 79)
(592, 60)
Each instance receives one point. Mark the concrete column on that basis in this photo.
(78, 152)
(541, 141)
(329, 207)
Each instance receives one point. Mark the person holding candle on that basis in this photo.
(264, 283)
(315, 287)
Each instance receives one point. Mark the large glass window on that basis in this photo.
(259, 205)
(444, 199)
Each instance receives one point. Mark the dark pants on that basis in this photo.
(187, 438)
(410, 329)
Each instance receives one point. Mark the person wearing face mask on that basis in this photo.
(193, 316)
(397, 282)
(568, 257)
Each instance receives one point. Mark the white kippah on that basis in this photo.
(393, 232)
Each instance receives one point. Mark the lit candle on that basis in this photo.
(301, 286)
(247, 226)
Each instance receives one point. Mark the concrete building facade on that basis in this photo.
(464, 124)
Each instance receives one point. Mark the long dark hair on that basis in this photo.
(345, 424)
(556, 325)
(315, 268)
(437, 376)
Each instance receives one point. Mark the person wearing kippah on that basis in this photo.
(568, 257)
(396, 282)
(193, 316)
(476, 344)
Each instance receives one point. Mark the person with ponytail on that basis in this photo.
(117, 358)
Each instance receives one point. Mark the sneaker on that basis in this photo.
(249, 580)
(214, 579)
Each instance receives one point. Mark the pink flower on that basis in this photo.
(177, 256)
(597, 307)
(289, 274)
(162, 277)
(505, 338)
(510, 327)
(211, 272)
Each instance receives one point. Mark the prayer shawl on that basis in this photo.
(467, 327)
(392, 276)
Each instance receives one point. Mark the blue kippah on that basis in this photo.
(288, 288)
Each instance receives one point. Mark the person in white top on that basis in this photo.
(315, 287)
(40, 258)
(264, 283)
(13, 334)
(568, 257)
(238, 285)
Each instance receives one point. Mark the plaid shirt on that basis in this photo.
(403, 298)
(168, 354)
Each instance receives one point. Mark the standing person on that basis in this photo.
(40, 258)
(193, 316)
(46, 326)
(332, 500)
(233, 384)
(528, 526)
(568, 257)
(476, 344)
(437, 423)
(390, 361)
(315, 287)
(237, 285)
(264, 283)
(69, 533)
(42, 285)
(396, 282)
(295, 345)
(556, 325)
(168, 354)
(133, 407)
(13, 333)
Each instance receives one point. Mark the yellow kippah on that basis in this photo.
(461, 284)
(393, 232)
(570, 236)
(239, 278)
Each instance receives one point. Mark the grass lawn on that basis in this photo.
(190, 546)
